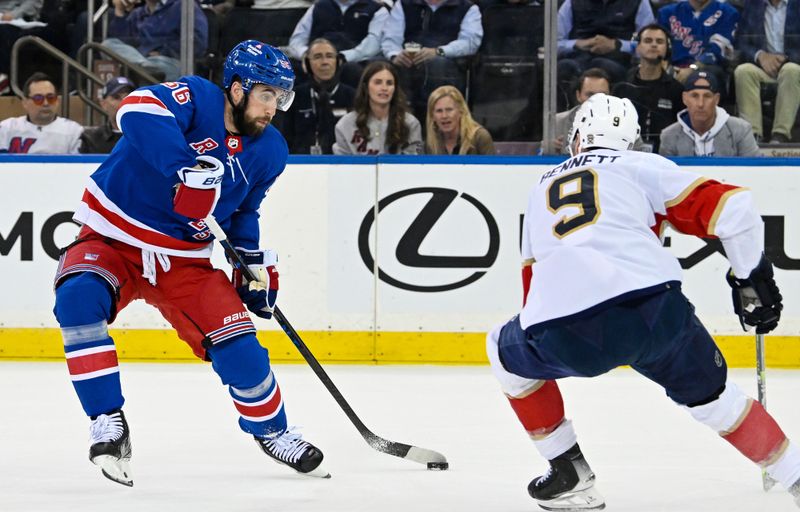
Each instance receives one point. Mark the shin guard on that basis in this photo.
(243, 365)
(757, 436)
(83, 306)
(541, 410)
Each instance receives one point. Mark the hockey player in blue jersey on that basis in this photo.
(188, 149)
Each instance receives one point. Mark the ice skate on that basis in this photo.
(568, 485)
(289, 448)
(794, 490)
(110, 446)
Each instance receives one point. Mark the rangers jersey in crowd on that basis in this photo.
(592, 230)
(165, 127)
(18, 135)
(705, 36)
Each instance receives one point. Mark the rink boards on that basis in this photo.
(384, 259)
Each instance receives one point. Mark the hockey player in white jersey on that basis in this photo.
(601, 291)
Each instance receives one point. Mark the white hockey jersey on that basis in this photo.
(592, 230)
(18, 135)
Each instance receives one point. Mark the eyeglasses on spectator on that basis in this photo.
(39, 99)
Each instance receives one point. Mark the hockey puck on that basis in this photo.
(438, 466)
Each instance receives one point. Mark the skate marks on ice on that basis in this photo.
(189, 455)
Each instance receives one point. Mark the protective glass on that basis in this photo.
(283, 98)
(39, 99)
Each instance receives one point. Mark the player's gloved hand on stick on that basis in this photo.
(259, 296)
(197, 194)
(757, 299)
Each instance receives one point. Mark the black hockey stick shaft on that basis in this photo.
(405, 451)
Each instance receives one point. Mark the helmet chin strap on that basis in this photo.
(575, 145)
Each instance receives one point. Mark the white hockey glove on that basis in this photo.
(259, 296)
(197, 194)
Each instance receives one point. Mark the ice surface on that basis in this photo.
(189, 455)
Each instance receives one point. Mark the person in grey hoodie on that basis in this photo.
(703, 127)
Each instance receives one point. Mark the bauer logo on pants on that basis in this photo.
(443, 244)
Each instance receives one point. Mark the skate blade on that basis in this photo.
(587, 499)
(767, 481)
(116, 470)
(318, 472)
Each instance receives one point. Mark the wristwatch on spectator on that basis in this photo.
(440, 51)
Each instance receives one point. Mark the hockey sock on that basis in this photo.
(786, 469)
(541, 412)
(243, 365)
(757, 435)
(744, 423)
(83, 306)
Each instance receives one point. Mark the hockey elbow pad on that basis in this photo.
(757, 300)
(197, 194)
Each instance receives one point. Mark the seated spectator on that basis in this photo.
(424, 39)
(13, 10)
(768, 40)
(451, 130)
(591, 81)
(309, 126)
(223, 7)
(102, 139)
(41, 130)
(597, 34)
(150, 35)
(379, 122)
(701, 33)
(656, 95)
(353, 26)
(705, 129)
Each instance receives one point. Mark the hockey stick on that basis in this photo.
(761, 371)
(433, 459)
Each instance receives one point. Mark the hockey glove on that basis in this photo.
(757, 299)
(259, 296)
(197, 194)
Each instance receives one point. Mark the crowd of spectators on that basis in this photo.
(392, 77)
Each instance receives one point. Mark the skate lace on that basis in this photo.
(288, 446)
(542, 480)
(106, 428)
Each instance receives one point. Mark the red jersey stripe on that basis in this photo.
(696, 209)
(147, 236)
(133, 99)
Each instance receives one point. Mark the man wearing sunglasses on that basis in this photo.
(187, 149)
(41, 130)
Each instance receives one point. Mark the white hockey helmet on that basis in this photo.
(605, 121)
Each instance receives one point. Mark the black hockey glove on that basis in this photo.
(757, 299)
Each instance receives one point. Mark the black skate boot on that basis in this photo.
(568, 484)
(289, 448)
(110, 446)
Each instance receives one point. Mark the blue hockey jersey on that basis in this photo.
(705, 36)
(165, 126)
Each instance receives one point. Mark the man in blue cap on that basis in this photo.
(102, 139)
(704, 128)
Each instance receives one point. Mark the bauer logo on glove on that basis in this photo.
(260, 295)
(197, 193)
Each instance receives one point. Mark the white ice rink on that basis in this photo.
(189, 454)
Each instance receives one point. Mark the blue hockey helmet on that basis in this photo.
(254, 62)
